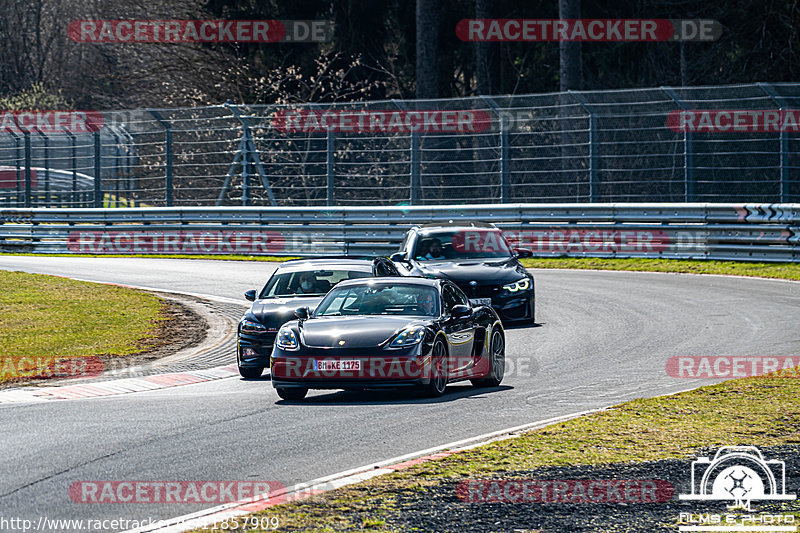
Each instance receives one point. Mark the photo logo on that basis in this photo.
(738, 474)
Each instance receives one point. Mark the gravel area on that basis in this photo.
(439, 509)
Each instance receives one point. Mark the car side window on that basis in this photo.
(390, 269)
(450, 299)
(460, 296)
(382, 269)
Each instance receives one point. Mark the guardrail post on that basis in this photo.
(504, 162)
(98, 188)
(73, 164)
(28, 191)
(167, 155)
(594, 159)
(329, 167)
(413, 196)
(688, 151)
(46, 141)
(783, 141)
(18, 173)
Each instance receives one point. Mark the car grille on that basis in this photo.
(479, 291)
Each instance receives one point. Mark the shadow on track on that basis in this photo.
(388, 397)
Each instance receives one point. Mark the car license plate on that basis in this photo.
(480, 301)
(340, 364)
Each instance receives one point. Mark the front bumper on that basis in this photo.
(254, 351)
(516, 307)
(376, 371)
(510, 306)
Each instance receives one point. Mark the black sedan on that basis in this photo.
(294, 284)
(389, 333)
(477, 257)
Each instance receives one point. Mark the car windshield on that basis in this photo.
(383, 299)
(462, 244)
(307, 282)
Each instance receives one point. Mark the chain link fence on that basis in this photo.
(701, 144)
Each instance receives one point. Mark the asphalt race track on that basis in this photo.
(603, 338)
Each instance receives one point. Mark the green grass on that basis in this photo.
(733, 268)
(759, 411)
(678, 266)
(51, 317)
(220, 257)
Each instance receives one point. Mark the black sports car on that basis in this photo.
(294, 284)
(389, 333)
(476, 257)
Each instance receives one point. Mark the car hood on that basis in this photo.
(355, 331)
(274, 312)
(482, 271)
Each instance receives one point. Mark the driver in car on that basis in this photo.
(308, 283)
(434, 250)
(426, 304)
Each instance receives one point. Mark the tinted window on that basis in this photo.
(383, 299)
(474, 243)
(450, 298)
(307, 282)
(385, 268)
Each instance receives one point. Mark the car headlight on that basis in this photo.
(287, 339)
(251, 326)
(521, 285)
(408, 337)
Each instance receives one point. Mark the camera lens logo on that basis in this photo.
(738, 474)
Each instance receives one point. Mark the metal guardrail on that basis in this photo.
(761, 232)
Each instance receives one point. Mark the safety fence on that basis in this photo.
(763, 232)
(736, 143)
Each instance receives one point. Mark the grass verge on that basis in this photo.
(47, 317)
(761, 411)
(219, 257)
(733, 268)
(678, 266)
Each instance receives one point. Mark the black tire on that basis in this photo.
(250, 372)
(497, 362)
(292, 394)
(438, 381)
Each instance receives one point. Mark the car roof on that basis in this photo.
(328, 264)
(394, 280)
(451, 225)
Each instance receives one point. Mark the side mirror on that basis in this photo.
(460, 311)
(301, 313)
(398, 256)
(250, 295)
(523, 252)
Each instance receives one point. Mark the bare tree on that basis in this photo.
(427, 48)
(571, 66)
